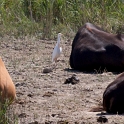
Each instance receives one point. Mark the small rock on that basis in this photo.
(102, 119)
(63, 122)
(22, 115)
(48, 94)
(19, 84)
(67, 81)
(72, 80)
(49, 122)
(34, 122)
(19, 101)
(47, 70)
(53, 115)
(30, 95)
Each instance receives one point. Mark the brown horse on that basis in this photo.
(94, 49)
(113, 97)
(7, 87)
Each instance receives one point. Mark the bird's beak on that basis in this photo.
(62, 36)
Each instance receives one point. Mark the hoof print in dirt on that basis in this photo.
(72, 80)
(47, 70)
(102, 119)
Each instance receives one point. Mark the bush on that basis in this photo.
(42, 17)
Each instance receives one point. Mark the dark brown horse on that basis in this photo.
(94, 49)
(113, 97)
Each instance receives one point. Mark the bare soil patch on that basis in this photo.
(43, 98)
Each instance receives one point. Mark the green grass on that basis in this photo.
(6, 114)
(45, 18)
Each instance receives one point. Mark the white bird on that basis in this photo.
(57, 49)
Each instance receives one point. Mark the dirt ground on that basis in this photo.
(43, 98)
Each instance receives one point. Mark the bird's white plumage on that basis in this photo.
(57, 49)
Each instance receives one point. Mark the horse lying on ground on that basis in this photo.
(113, 97)
(95, 49)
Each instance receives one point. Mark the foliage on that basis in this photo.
(42, 17)
(6, 115)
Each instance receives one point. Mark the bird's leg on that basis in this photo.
(54, 64)
(56, 60)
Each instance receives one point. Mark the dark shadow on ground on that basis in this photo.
(90, 72)
(105, 113)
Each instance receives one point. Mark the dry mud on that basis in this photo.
(43, 98)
